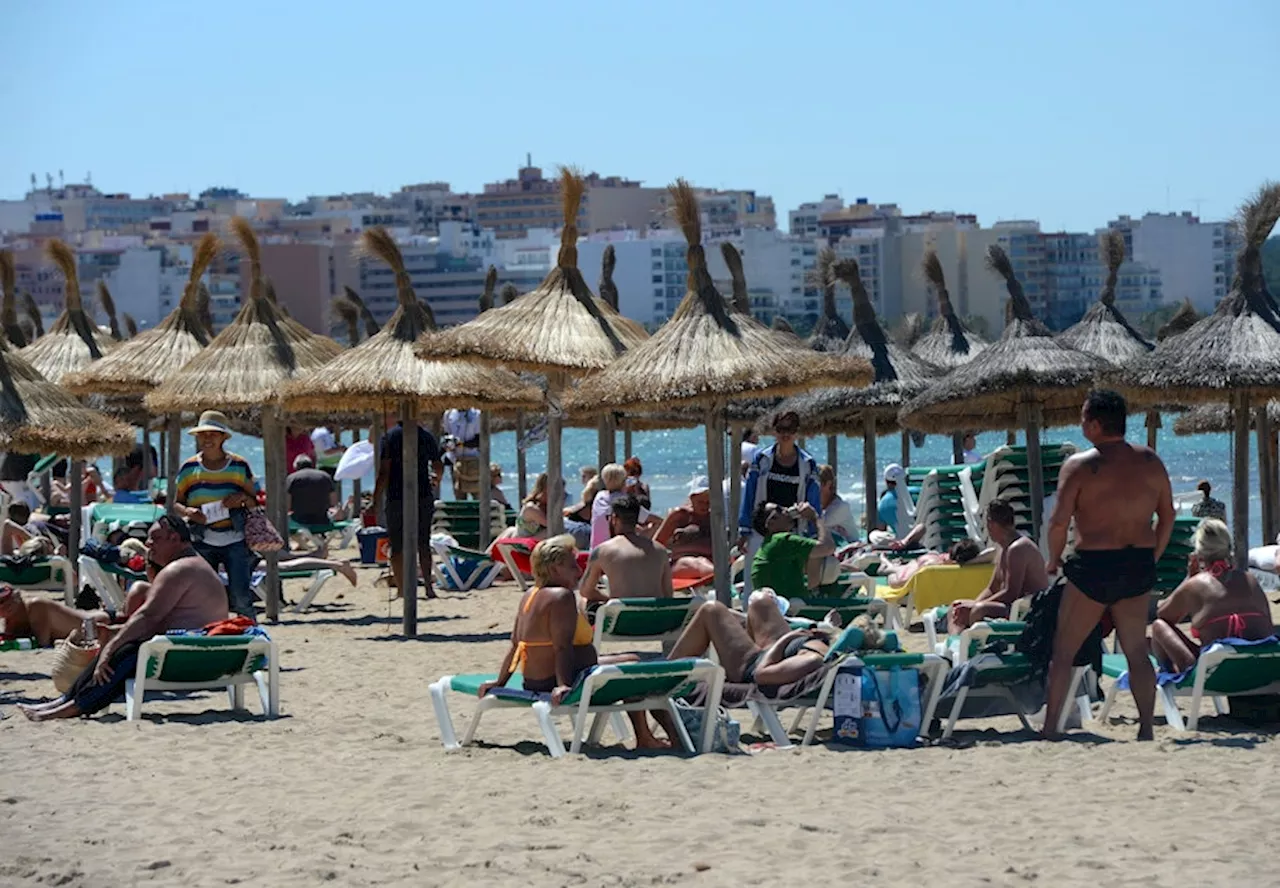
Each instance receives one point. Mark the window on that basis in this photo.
(795, 262)
(657, 266)
(657, 279)
(657, 293)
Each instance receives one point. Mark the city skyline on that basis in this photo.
(1072, 117)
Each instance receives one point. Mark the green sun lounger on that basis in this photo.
(48, 573)
(603, 692)
(201, 662)
(644, 619)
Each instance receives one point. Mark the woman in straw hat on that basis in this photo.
(213, 489)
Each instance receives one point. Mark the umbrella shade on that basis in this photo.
(384, 370)
(947, 344)
(73, 341)
(37, 416)
(144, 362)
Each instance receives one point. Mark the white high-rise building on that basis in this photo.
(1195, 259)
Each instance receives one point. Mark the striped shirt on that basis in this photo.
(198, 486)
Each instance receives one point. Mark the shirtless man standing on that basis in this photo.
(1111, 491)
(186, 594)
(1019, 572)
(635, 566)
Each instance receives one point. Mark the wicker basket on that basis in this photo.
(69, 660)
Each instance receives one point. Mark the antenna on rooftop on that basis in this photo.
(528, 158)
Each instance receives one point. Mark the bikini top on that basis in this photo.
(583, 634)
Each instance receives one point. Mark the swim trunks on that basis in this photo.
(1110, 575)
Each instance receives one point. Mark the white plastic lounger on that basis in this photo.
(202, 662)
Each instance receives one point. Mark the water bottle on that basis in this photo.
(90, 631)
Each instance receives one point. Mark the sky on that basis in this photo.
(1070, 113)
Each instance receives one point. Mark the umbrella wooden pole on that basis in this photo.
(174, 459)
(357, 494)
(833, 453)
(1153, 427)
(555, 470)
(734, 467)
(906, 448)
(409, 507)
(75, 489)
(606, 442)
(626, 437)
(273, 454)
(1035, 468)
(1273, 480)
(379, 429)
(719, 523)
(162, 441)
(957, 448)
(485, 494)
(146, 457)
(1266, 469)
(1240, 474)
(522, 463)
(869, 470)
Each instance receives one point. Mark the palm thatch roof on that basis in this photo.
(37, 416)
(558, 327)
(608, 289)
(74, 340)
(1104, 331)
(707, 354)
(782, 327)
(344, 310)
(947, 344)
(898, 374)
(830, 331)
(1208, 419)
(203, 309)
(1183, 320)
(371, 325)
(243, 367)
(508, 293)
(144, 362)
(130, 325)
(109, 309)
(733, 261)
(1234, 350)
(490, 282)
(9, 325)
(32, 311)
(385, 370)
(1026, 365)
(909, 329)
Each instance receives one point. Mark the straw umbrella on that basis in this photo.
(898, 376)
(1183, 320)
(1026, 378)
(130, 325)
(371, 325)
(9, 308)
(240, 371)
(705, 356)
(1233, 355)
(948, 343)
(146, 361)
(1208, 419)
(109, 309)
(1104, 331)
(559, 329)
(383, 371)
(32, 311)
(830, 330)
(203, 309)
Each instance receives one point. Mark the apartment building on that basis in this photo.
(1195, 260)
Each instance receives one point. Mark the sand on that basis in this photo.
(352, 787)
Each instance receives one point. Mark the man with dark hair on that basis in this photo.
(310, 491)
(787, 562)
(131, 475)
(185, 594)
(1111, 491)
(635, 566)
(390, 484)
(1020, 571)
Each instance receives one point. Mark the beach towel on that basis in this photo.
(1166, 678)
(738, 694)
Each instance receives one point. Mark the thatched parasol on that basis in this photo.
(704, 356)
(32, 311)
(733, 260)
(240, 371)
(130, 325)
(559, 329)
(1216, 419)
(73, 340)
(909, 330)
(1026, 378)
(371, 325)
(608, 289)
(140, 365)
(830, 331)
(109, 309)
(37, 416)
(345, 310)
(1104, 331)
(1183, 320)
(1231, 356)
(508, 293)
(9, 307)
(783, 328)
(203, 309)
(898, 375)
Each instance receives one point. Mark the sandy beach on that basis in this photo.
(351, 787)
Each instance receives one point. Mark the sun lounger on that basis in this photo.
(105, 579)
(317, 577)
(200, 662)
(48, 573)
(314, 534)
(1223, 670)
(463, 570)
(932, 586)
(603, 691)
(516, 552)
(644, 619)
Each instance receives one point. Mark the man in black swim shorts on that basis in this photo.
(1111, 492)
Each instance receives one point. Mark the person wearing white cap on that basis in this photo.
(887, 510)
(686, 531)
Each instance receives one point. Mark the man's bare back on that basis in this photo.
(1115, 488)
(636, 567)
(1022, 571)
(187, 594)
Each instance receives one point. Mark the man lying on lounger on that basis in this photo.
(635, 565)
(1020, 571)
(186, 594)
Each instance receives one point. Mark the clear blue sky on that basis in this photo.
(1066, 112)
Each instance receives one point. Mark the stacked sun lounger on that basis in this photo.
(940, 505)
(1004, 475)
(461, 520)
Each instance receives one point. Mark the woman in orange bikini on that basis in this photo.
(551, 642)
(1222, 601)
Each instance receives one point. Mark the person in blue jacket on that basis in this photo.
(781, 473)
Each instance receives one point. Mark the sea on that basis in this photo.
(671, 459)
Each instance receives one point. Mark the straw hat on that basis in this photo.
(211, 421)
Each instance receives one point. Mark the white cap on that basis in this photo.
(895, 473)
(699, 484)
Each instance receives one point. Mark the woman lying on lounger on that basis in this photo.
(1222, 601)
(765, 651)
(551, 641)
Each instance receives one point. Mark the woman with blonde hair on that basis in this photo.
(1221, 599)
(613, 477)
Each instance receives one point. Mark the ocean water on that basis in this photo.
(672, 458)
